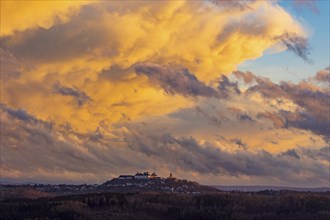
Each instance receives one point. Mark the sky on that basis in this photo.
(219, 92)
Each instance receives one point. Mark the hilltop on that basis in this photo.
(140, 182)
(165, 185)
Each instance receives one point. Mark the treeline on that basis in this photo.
(246, 206)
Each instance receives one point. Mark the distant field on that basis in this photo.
(276, 188)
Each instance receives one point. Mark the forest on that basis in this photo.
(285, 205)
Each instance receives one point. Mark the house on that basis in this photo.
(126, 177)
(144, 175)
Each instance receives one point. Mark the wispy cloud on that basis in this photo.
(297, 44)
(175, 80)
(80, 96)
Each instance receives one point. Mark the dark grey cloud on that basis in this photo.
(96, 136)
(175, 80)
(239, 143)
(80, 96)
(317, 154)
(188, 154)
(97, 153)
(313, 100)
(291, 153)
(297, 44)
(306, 121)
(241, 115)
(301, 120)
(23, 115)
(226, 87)
(29, 145)
(19, 114)
(245, 118)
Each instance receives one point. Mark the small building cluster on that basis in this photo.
(138, 175)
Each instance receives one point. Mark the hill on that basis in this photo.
(163, 185)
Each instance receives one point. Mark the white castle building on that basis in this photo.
(138, 175)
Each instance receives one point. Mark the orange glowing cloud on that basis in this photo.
(22, 15)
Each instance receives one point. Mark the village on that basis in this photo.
(140, 182)
(144, 181)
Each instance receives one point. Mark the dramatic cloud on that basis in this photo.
(97, 48)
(124, 34)
(87, 86)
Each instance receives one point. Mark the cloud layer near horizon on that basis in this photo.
(113, 87)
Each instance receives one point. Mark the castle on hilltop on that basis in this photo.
(138, 175)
